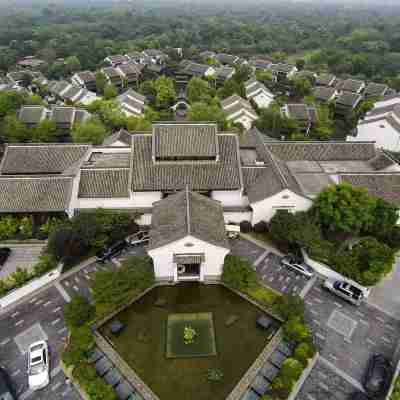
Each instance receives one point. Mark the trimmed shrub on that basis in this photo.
(8, 227)
(80, 344)
(260, 227)
(245, 227)
(46, 263)
(238, 273)
(295, 330)
(78, 311)
(303, 352)
(20, 277)
(290, 307)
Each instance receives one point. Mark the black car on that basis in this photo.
(6, 391)
(377, 378)
(4, 254)
(115, 250)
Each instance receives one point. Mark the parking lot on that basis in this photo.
(39, 318)
(79, 283)
(348, 335)
(324, 383)
(23, 256)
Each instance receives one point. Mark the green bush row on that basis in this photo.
(21, 276)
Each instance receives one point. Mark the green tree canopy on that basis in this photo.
(198, 91)
(45, 131)
(166, 93)
(110, 91)
(101, 82)
(344, 208)
(204, 112)
(91, 131)
(14, 131)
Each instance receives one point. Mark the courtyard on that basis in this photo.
(176, 335)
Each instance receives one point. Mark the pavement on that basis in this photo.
(345, 335)
(24, 256)
(386, 295)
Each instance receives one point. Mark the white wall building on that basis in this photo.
(258, 93)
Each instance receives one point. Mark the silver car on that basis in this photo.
(293, 263)
(38, 365)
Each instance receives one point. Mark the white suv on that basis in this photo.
(38, 365)
(347, 291)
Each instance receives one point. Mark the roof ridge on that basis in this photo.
(187, 210)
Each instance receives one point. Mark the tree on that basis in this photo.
(385, 217)
(300, 63)
(78, 311)
(264, 76)
(72, 64)
(324, 126)
(238, 273)
(91, 131)
(10, 102)
(198, 91)
(231, 87)
(301, 87)
(110, 91)
(166, 93)
(109, 112)
(45, 131)
(14, 131)
(345, 209)
(101, 82)
(204, 112)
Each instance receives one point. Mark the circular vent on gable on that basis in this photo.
(188, 244)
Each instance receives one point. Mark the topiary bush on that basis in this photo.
(303, 352)
(245, 227)
(78, 311)
(295, 330)
(260, 227)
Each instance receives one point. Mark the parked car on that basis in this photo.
(38, 365)
(4, 254)
(112, 251)
(141, 237)
(6, 389)
(297, 265)
(377, 378)
(346, 290)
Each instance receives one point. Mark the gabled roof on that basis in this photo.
(189, 141)
(121, 136)
(196, 68)
(129, 69)
(350, 85)
(187, 213)
(224, 58)
(32, 114)
(198, 175)
(41, 158)
(324, 93)
(224, 72)
(383, 185)
(261, 63)
(300, 112)
(86, 76)
(281, 67)
(255, 87)
(35, 194)
(63, 115)
(376, 89)
(348, 99)
(111, 72)
(104, 183)
(132, 94)
(117, 58)
(57, 87)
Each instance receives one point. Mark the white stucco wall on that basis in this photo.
(237, 217)
(384, 135)
(229, 198)
(163, 257)
(146, 199)
(265, 209)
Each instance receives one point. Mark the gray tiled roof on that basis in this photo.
(63, 115)
(281, 67)
(348, 99)
(87, 76)
(34, 194)
(384, 185)
(381, 161)
(121, 136)
(202, 175)
(129, 69)
(185, 140)
(111, 72)
(57, 87)
(187, 213)
(224, 72)
(322, 151)
(196, 68)
(132, 93)
(224, 58)
(41, 159)
(350, 85)
(324, 93)
(31, 114)
(299, 111)
(376, 89)
(104, 183)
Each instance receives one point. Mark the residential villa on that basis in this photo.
(257, 92)
(239, 111)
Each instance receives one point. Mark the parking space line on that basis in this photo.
(47, 303)
(63, 292)
(62, 330)
(316, 322)
(318, 335)
(337, 304)
(75, 288)
(364, 322)
(15, 373)
(313, 312)
(56, 321)
(386, 340)
(371, 342)
(15, 314)
(56, 309)
(284, 289)
(260, 258)
(32, 300)
(21, 321)
(4, 342)
(380, 319)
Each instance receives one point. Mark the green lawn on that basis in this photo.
(143, 343)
